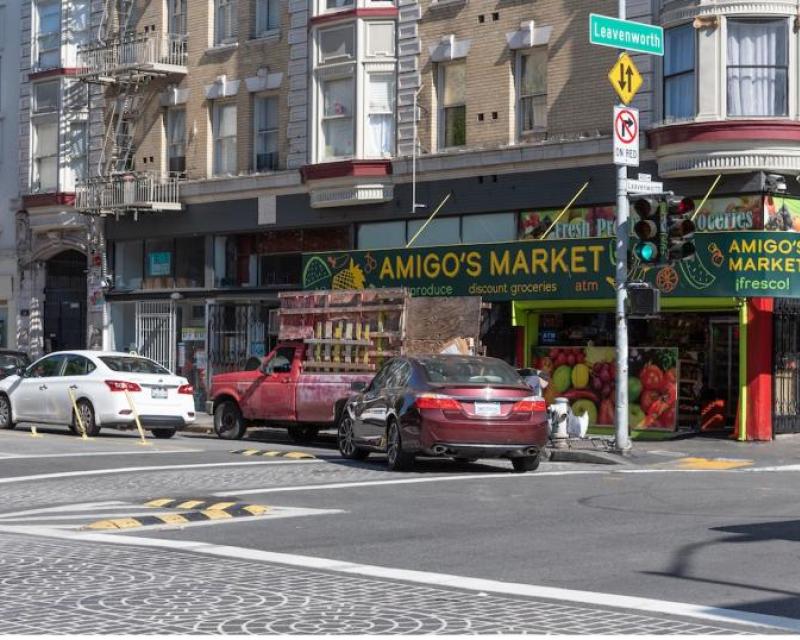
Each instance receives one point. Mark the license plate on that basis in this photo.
(487, 409)
(158, 392)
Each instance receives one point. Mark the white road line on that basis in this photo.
(427, 578)
(15, 456)
(168, 467)
(108, 504)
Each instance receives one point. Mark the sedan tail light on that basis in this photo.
(531, 404)
(186, 389)
(119, 385)
(436, 401)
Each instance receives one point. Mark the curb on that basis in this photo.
(587, 457)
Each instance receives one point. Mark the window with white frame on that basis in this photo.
(77, 151)
(679, 72)
(337, 117)
(176, 17)
(44, 165)
(337, 44)
(78, 25)
(47, 34)
(225, 21)
(223, 129)
(380, 39)
(46, 96)
(176, 142)
(268, 17)
(379, 126)
(532, 90)
(339, 4)
(758, 76)
(452, 104)
(266, 134)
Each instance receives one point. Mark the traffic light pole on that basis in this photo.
(622, 438)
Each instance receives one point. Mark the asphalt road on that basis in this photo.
(656, 545)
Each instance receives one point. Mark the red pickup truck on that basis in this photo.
(280, 394)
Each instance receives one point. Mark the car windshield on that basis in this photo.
(469, 370)
(8, 361)
(133, 364)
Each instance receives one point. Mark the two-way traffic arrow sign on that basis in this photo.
(625, 78)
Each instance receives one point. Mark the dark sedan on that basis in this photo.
(465, 407)
(12, 361)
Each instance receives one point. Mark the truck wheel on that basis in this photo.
(346, 440)
(396, 458)
(228, 421)
(303, 435)
(528, 463)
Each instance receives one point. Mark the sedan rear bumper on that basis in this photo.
(462, 450)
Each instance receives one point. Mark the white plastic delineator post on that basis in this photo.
(81, 426)
(142, 442)
(34, 433)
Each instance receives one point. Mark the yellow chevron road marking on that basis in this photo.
(712, 464)
(116, 523)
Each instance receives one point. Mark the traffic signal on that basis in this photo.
(647, 230)
(680, 229)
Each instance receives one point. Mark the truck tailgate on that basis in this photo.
(318, 393)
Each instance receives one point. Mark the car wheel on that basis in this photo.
(396, 458)
(347, 442)
(303, 435)
(529, 463)
(228, 421)
(162, 433)
(86, 412)
(5, 413)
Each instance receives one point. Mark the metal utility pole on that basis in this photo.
(622, 438)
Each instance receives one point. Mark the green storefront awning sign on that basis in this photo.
(754, 264)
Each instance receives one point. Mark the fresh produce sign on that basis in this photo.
(727, 264)
(586, 377)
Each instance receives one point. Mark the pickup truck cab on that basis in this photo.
(280, 394)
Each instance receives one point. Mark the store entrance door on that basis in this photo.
(155, 331)
(723, 364)
(65, 301)
(786, 358)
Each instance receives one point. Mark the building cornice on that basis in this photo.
(724, 131)
(364, 13)
(728, 8)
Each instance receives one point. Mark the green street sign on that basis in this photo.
(624, 34)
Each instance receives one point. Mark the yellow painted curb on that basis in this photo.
(117, 523)
(712, 464)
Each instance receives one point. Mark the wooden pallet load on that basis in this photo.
(346, 331)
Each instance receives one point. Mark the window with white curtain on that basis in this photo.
(176, 141)
(532, 92)
(679, 72)
(266, 133)
(379, 132)
(45, 156)
(268, 17)
(223, 128)
(452, 104)
(337, 117)
(48, 34)
(758, 67)
(225, 19)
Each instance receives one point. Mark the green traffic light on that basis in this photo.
(645, 251)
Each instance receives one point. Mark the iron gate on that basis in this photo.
(786, 357)
(155, 331)
(239, 335)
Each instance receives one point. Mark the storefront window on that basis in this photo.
(123, 326)
(443, 231)
(3, 327)
(190, 262)
(174, 263)
(280, 269)
(128, 264)
(382, 235)
(496, 227)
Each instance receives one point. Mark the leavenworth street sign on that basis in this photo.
(625, 34)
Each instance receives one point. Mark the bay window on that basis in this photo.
(45, 156)
(679, 73)
(223, 130)
(452, 104)
(532, 92)
(266, 134)
(77, 151)
(355, 90)
(757, 67)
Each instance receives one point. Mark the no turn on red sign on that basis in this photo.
(626, 136)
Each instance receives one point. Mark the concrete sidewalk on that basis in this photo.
(699, 450)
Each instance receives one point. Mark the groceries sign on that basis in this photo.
(727, 264)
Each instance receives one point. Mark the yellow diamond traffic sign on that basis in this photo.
(625, 78)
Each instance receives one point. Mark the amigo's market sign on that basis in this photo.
(756, 263)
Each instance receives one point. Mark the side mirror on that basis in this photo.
(358, 386)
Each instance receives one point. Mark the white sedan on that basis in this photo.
(97, 380)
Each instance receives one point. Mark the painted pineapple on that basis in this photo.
(350, 278)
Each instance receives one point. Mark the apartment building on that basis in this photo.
(9, 185)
